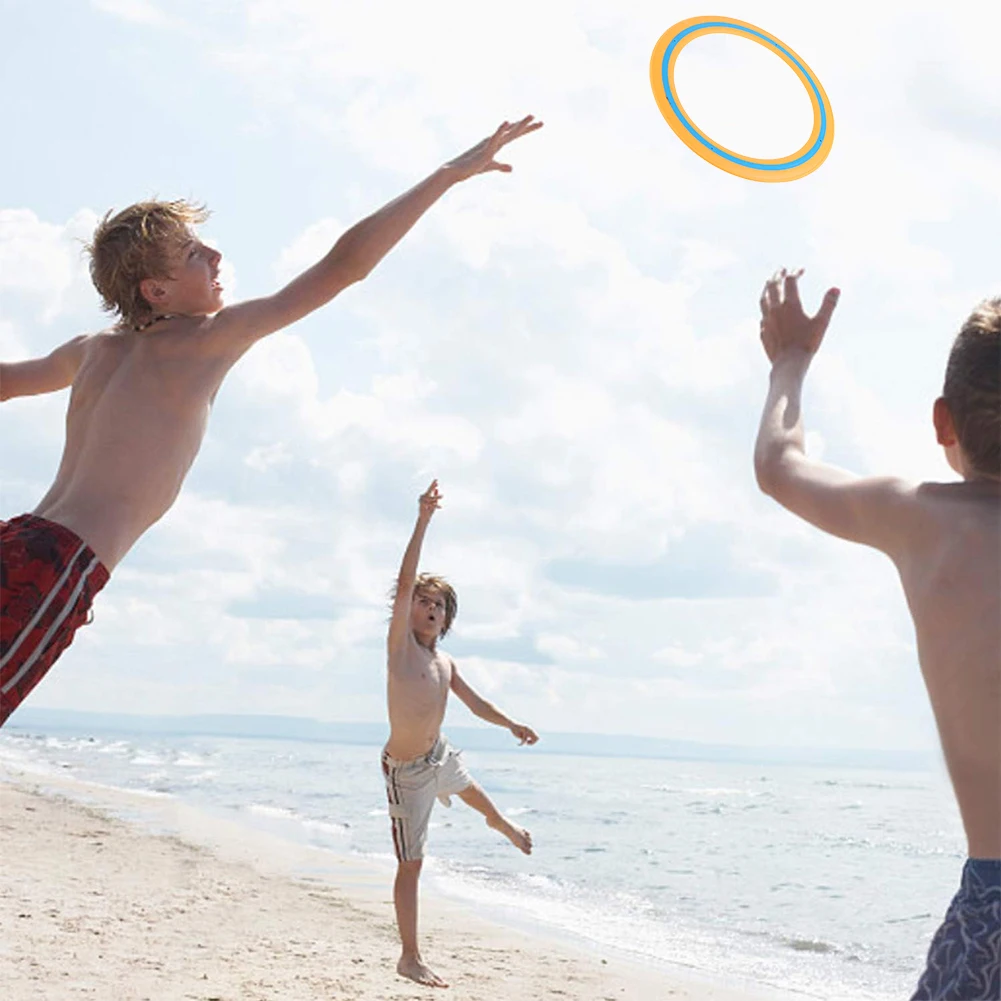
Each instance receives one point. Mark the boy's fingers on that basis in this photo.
(791, 288)
(518, 129)
(827, 306)
(526, 125)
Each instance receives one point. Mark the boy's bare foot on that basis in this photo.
(518, 836)
(413, 968)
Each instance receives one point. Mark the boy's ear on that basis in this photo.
(153, 291)
(945, 426)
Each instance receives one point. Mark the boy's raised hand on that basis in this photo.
(480, 158)
(429, 501)
(784, 325)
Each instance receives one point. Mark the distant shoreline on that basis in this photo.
(30, 720)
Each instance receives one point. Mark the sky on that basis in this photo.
(571, 349)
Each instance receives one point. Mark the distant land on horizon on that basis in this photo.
(31, 721)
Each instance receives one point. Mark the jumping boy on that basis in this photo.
(418, 763)
(945, 539)
(142, 392)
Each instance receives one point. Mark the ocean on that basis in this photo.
(826, 881)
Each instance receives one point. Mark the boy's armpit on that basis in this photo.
(236, 328)
(239, 326)
(875, 511)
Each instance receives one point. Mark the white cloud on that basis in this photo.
(308, 248)
(138, 11)
(572, 349)
(44, 262)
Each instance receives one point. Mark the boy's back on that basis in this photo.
(137, 415)
(950, 568)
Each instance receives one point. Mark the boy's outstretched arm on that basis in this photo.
(862, 510)
(364, 245)
(399, 624)
(479, 706)
(55, 371)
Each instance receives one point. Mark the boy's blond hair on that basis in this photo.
(973, 387)
(136, 244)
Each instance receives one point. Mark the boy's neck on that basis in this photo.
(155, 319)
(173, 314)
(427, 645)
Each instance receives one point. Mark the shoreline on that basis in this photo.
(167, 901)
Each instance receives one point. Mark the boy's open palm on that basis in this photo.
(480, 158)
(784, 325)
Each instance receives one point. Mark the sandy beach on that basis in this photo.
(96, 906)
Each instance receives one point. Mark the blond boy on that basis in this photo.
(142, 392)
(945, 539)
(418, 763)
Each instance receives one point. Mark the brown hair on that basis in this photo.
(433, 584)
(133, 245)
(973, 387)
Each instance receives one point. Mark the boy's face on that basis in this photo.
(427, 614)
(192, 287)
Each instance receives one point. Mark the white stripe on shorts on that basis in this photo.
(60, 618)
(54, 590)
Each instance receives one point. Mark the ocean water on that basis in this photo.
(822, 881)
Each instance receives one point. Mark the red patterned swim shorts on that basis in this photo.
(48, 579)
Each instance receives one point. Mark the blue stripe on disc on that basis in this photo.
(716, 149)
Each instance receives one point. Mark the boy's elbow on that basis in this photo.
(349, 263)
(774, 473)
(766, 472)
(357, 271)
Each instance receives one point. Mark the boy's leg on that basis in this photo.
(410, 790)
(405, 898)
(474, 796)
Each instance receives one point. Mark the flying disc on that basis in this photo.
(787, 168)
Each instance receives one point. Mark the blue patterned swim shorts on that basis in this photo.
(964, 961)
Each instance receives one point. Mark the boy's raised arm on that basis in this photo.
(364, 245)
(862, 510)
(399, 624)
(55, 371)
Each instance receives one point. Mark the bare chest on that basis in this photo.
(423, 675)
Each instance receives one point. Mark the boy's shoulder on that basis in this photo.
(960, 498)
(945, 512)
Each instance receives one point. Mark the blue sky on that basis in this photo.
(571, 349)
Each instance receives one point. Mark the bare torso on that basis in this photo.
(951, 574)
(137, 416)
(418, 684)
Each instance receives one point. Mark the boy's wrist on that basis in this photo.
(792, 360)
(448, 175)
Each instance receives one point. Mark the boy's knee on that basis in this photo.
(410, 867)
